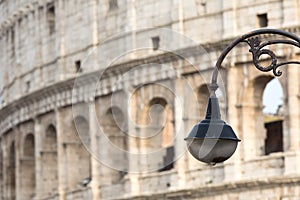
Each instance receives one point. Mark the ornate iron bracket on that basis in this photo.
(257, 50)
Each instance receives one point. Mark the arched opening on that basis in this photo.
(113, 126)
(273, 116)
(159, 134)
(259, 134)
(78, 157)
(11, 173)
(83, 131)
(49, 161)
(28, 167)
(28, 150)
(202, 96)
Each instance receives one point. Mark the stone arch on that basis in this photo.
(274, 120)
(50, 139)
(114, 122)
(77, 155)
(156, 99)
(202, 97)
(28, 167)
(50, 161)
(113, 125)
(254, 128)
(83, 130)
(161, 116)
(28, 146)
(11, 173)
(158, 133)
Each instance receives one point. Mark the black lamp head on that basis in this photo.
(212, 140)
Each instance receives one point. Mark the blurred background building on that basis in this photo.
(152, 61)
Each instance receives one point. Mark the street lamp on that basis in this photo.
(212, 140)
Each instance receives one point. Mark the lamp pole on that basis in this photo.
(212, 140)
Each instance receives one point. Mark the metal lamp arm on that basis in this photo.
(256, 48)
(212, 140)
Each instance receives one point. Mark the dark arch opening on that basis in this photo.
(114, 127)
(77, 155)
(50, 143)
(83, 130)
(273, 116)
(114, 121)
(29, 146)
(202, 96)
(268, 132)
(11, 173)
(50, 161)
(161, 132)
(28, 167)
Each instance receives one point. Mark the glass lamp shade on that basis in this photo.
(211, 151)
(212, 141)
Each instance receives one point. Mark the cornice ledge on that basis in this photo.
(220, 188)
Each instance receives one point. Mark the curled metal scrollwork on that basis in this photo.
(257, 50)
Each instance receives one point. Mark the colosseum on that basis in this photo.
(97, 96)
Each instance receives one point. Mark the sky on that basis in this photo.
(272, 96)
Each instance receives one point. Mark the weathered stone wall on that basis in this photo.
(55, 123)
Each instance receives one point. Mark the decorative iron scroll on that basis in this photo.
(257, 50)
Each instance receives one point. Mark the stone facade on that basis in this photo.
(79, 78)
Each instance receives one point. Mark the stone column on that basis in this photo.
(95, 23)
(5, 157)
(232, 167)
(290, 16)
(2, 167)
(297, 14)
(18, 64)
(62, 168)
(133, 149)
(292, 163)
(293, 106)
(39, 51)
(38, 160)
(253, 134)
(6, 80)
(94, 149)
(60, 26)
(134, 162)
(131, 16)
(180, 130)
(18, 178)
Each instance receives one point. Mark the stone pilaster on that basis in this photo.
(18, 65)
(180, 132)
(254, 133)
(232, 170)
(96, 173)
(60, 26)
(18, 178)
(4, 170)
(133, 149)
(62, 168)
(292, 162)
(293, 106)
(39, 51)
(38, 159)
